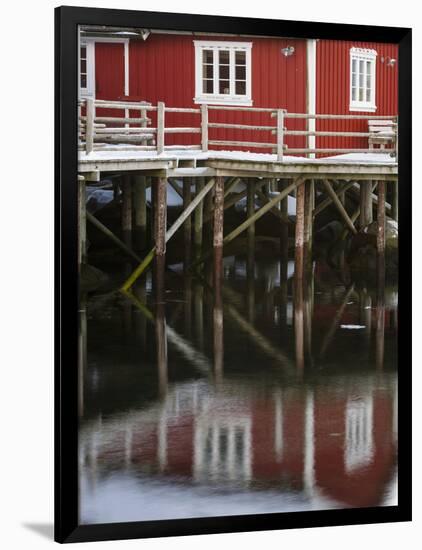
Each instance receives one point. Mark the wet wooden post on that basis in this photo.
(218, 277)
(161, 343)
(127, 210)
(380, 328)
(139, 290)
(250, 209)
(81, 222)
(208, 211)
(140, 212)
(198, 221)
(366, 211)
(366, 312)
(152, 207)
(300, 229)
(218, 233)
(298, 321)
(284, 253)
(381, 233)
(187, 226)
(395, 200)
(199, 314)
(188, 305)
(307, 315)
(160, 235)
(308, 225)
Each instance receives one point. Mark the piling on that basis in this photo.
(366, 212)
(140, 208)
(299, 319)
(308, 225)
(81, 221)
(127, 210)
(198, 221)
(218, 233)
(395, 200)
(300, 229)
(160, 235)
(187, 226)
(250, 209)
(381, 233)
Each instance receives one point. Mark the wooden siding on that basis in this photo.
(333, 89)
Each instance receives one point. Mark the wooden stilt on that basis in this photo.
(198, 221)
(381, 233)
(395, 200)
(218, 233)
(284, 252)
(127, 211)
(208, 218)
(366, 214)
(188, 305)
(250, 209)
(380, 327)
(308, 225)
(160, 236)
(187, 226)
(161, 343)
(298, 316)
(199, 314)
(140, 230)
(81, 221)
(300, 227)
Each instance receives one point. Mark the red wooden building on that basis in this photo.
(186, 70)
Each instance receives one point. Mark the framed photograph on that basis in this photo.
(229, 350)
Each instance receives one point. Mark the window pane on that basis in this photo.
(207, 71)
(361, 66)
(354, 66)
(241, 73)
(208, 56)
(224, 57)
(208, 87)
(361, 98)
(224, 72)
(83, 80)
(83, 66)
(224, 87)
(240, 87)
(368, 94)
(83, 52)
(354, 94)
(240, 58)
(354, 79)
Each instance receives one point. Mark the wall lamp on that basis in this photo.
(287, 52)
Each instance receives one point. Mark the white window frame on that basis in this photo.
(365, 55)
(89, 91)
(217, 98)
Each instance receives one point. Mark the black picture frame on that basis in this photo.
(67, 529)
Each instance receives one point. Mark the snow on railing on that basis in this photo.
(134, 131)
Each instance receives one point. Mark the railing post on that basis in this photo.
(204, 127)
(160, 126)
(89, 129)
(280, 133)
(144, 124)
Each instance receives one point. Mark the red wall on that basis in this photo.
(333, 89)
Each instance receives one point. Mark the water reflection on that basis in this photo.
(276, 396)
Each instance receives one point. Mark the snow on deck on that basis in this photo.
(119, 154)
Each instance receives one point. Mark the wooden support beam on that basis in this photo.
(395, 200)
(82, 215)
(198, 221)
(140, 229)
(284, 231)
(366, 212)
(92, 219)
(127, 210)
(340, 207)
(300, 231)
(326, 202)
(218, 233)
(381, 232)
(187, 226)
(250, 209)
(160, 237)
(308, 224)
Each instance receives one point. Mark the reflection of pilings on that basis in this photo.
(380, 328)
(366, 312)
(333, 327)
(198, 221)
(309, 444)
(298, 321)
(82, 353)
(250, 283)
(81, 221)
(300, 227)
(218, 338)
(140, 205)
(139, 290)
(127, 210)
(161, 342)
(381, 233)
(307, 316)
(187, 226)
(160, 236)
(199, 314)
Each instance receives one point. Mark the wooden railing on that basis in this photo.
(133, 130)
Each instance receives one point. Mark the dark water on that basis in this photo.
(276, 402)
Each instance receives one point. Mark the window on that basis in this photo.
(223, 72)
(86, 69)
(362, 79)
